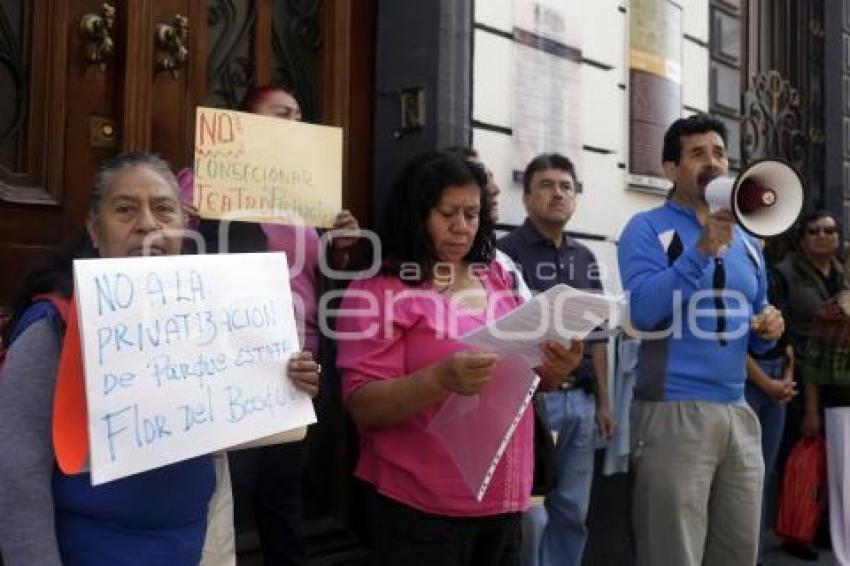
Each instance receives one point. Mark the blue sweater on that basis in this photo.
(671, 297)
(155, 518)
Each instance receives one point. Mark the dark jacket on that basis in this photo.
(799, 291)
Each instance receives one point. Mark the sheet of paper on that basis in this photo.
(476, 430)
(561, 313)
(185, 355)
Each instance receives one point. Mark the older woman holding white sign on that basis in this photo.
(49, 518)
(400, 364)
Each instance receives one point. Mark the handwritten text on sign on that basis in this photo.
(264, 169)
(185, 355)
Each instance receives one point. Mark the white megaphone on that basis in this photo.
(766, 197)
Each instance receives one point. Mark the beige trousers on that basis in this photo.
(698, 475)
(220, 543)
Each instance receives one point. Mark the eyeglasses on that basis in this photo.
(568, 188)
(825, 230)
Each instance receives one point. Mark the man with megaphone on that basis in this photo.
(697, 289)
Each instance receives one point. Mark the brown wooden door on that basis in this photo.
(49, 96)
(69, 98)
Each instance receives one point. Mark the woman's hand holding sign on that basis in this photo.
(304, 372)
(347, 224)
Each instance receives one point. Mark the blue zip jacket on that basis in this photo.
(673, 303)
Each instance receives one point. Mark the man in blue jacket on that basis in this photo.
(697, 291)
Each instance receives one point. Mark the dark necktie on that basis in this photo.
(718, 283)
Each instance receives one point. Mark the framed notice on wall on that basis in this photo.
(655, 89)
(547, 92)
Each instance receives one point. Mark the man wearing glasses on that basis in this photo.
(548, 257)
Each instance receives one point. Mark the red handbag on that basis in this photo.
(803, 495)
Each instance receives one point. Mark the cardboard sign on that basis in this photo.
(257, 168)
(183, 356)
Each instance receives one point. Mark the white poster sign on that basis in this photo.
(185, 355)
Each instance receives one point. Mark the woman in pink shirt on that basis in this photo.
(438, 281)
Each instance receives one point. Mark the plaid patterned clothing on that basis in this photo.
(828, 351)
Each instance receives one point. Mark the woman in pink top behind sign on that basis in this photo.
(438, 282)
(272, 474)
(301, 243)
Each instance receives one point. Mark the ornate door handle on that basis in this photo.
(97, 27)
(171, 39)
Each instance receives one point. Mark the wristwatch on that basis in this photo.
(568, 383)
